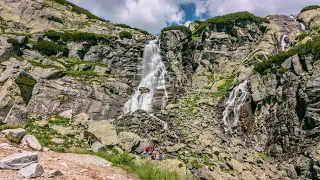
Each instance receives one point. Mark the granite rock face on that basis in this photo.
(18, 161)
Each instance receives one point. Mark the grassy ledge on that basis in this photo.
(144, 170)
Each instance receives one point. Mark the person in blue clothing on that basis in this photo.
(90, 140)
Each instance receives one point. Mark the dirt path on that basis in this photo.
(73, 166)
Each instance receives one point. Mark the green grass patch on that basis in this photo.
(310, 8)
(34, 63)
(145, 170)
(125, 34)
(301, 36)
(44, 134)
(59, 120)
(191, 103)
(223, 89)
(9, 126)
(81, 73)
(312, 47)
(283, 70)
(264, 156)
(180, 27)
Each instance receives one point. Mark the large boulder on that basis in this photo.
(32, 142)
(16, 133)
(104, 131)
(32, 171)
(175, 148)
(97, 147)
(127, 140)
(18, 161)
(7, 50)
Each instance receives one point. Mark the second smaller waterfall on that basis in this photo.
(236, 99)
(283, 42)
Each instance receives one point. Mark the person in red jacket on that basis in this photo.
(147, 151)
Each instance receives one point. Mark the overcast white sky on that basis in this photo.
(153, 15)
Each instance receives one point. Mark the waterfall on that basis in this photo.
(152, 78)
(303, 27)
(283, 42)
(234, 103)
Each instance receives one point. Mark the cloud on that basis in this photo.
(258, 7)
(150, 15)
(187, 23)
(153, 15)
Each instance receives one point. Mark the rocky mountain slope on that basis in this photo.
(66, 74)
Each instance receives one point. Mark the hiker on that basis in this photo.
(90, 140)
(153, 156)
(147, 151)
(160, 157)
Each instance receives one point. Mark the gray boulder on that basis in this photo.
(16, 133)
(128, 140)
(97, 147)
(104, 131)
(17, 115)
(32, 142)
(32, 171)
(18, 161)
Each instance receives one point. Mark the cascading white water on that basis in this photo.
(152, 78)
(234, 103)
(303, 27)
(283, 42)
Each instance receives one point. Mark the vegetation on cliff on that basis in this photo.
(310, 8)
(312, 47)
(125, 34)
(129, 27)
(76, 36)
(180, 27)
(49, 48)
(230, 19)
(79, 10)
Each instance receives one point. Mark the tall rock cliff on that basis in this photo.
(65, 73)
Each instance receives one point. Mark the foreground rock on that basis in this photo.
(104, 131)
(18, 161)
(97, 147)
(128, 140)
(16, 133)
(32, 142)
(32, 171)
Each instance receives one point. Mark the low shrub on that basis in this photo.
(310, 8)
(311, 47)
(129, 27)
(301, 36)
(125, 34)
(76, 36)
(180, 27)
(230, 19)
(13, 41)
(49, 48)
(59, 120)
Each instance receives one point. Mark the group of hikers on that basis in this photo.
(151, 155)
(148, 151)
